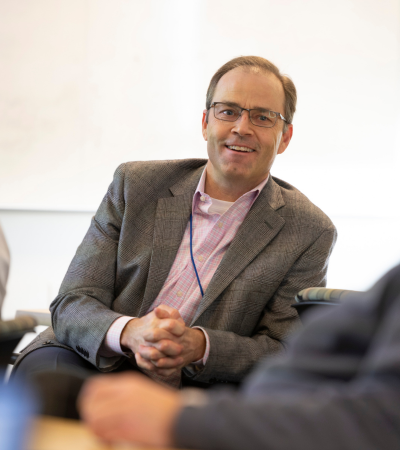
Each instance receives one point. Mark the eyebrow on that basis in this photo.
(262, 108)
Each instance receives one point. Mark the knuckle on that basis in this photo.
(157, 334)
(163, 346)
(170, 323)
(149, 334)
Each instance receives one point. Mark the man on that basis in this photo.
(338, 387)
(189, 267)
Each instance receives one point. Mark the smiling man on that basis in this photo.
(189, 267)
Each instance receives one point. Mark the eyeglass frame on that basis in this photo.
(278, 114)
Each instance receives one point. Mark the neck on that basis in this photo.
(228, 190)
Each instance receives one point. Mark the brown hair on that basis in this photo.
(262, 64)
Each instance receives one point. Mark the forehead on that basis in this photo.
(251, 88)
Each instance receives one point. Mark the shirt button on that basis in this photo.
(179, 293)
(200, 258)
(220, 224)
(202, 198)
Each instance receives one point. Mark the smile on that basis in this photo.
(237, 148)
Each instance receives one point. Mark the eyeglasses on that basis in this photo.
(258, 117)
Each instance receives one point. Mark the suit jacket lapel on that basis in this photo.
(172, 216)
(260, 226)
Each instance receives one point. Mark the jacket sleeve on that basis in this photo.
(81, 313)
(337, 387)
(232, 356)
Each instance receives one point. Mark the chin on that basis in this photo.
(236, 173)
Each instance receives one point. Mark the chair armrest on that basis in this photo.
(11, 332)
(318, 294)
(42, 316)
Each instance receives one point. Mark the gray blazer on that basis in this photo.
(282, 246)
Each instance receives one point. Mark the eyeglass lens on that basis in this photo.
(258, 117)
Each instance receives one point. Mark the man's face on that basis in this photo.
(248, 89)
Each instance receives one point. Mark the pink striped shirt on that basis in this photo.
(215, 224)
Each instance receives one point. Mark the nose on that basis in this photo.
(243, 126)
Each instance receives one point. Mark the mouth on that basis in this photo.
(238, 148)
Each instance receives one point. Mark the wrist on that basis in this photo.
(127, 338)
(199, 344)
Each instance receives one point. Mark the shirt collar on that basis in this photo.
(202, 182)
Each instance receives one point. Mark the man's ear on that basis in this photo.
(286, 137)
(204, 124)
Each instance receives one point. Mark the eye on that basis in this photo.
(263, 117)
(228, 112)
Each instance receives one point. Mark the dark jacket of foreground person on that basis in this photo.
(337, 388)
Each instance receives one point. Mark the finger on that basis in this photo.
(157, 334)
(107, 387)
(168, 363)
(173, 326)
(144, 363)
(167, 372)
(94, 388)
(150, 353)
(106, 426)
(98, 402)
(168, 348)
(161, 313)
(174, 313)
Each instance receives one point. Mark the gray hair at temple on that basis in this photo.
(260, 64)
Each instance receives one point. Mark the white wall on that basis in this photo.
(79, 80)
(43, 243)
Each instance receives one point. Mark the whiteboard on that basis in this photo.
(80, 81)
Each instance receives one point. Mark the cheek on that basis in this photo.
(211, 148)
(212, 139)
(271, 144)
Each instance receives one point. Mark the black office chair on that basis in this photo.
(319, 297)
(11, 332)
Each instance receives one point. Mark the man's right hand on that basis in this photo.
(164, 326)
(128, 407)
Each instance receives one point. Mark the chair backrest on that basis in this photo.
(11, 332)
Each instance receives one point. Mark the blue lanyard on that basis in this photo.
(191, 254)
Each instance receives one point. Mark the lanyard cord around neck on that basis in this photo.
(191, 255)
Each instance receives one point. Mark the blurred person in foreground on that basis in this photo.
(189, 267)
(338, 387)
(17, 403)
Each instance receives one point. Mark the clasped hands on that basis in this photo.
(161, 342)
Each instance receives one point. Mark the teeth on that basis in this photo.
(240, 149)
